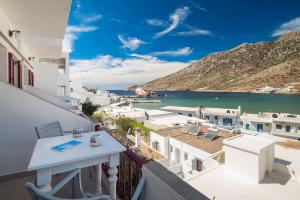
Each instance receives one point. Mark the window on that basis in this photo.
(299, 128)
(186, 156)
(171, 148)
(227, 121)
(179, 113)
(206, 117)
(216, 118)
(190, 115)
(155, 145)
(288, 128)
(247, 126)
(260, 128)
(278, 126)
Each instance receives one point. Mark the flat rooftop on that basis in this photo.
(198, 141)
(249, 143)
(264, 117)
(267, 117)
(154, 112)
(221, 111)
(171, 120)
(220, 184)
(179, 108)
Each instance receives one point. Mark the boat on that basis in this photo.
(141, 92)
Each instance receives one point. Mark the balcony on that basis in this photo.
(133, 172)
(293, 133)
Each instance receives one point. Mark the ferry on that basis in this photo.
(145, 93)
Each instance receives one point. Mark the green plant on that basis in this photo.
(98, 117)
(123, 124)
(88, 108)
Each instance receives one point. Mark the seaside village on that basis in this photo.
(125, 152)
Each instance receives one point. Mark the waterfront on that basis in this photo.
(250, 102)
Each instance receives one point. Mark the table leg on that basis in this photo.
(98, 182)
(112, 172)
(112, 179)
(44, 180)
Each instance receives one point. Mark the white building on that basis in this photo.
(101, 98)
(255, 168)
(280, 124)
(261, 122)
(257, 154)
(181, 110)
(187, 154)
(226, 117)
(34, 74)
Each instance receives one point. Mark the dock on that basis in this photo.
(144, 101)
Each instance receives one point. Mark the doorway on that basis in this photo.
(259, 127)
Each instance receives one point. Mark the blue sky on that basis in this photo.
(117, 43)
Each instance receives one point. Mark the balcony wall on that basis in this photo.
(163, 184)
(20, 113)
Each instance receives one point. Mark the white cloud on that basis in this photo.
(197, 6)
(155, 22)
(131, 43)
(179, 52)
(178, 16)
(72, 34)
(108, 70)
(290, 26)
(92, 18)
(194, 32)
(148, 57)
(116, 20)
(84, 17)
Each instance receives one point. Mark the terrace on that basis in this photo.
(198, 141)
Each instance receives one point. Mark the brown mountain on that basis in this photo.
(245, 68)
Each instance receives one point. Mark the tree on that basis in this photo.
(88, 108)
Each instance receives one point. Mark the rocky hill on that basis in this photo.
(244, 68)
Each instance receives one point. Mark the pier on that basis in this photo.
(144, 101)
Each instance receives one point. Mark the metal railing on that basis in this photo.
(139, 189)
(129, 174)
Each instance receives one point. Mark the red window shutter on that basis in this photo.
(32, 78)
(19, 75)
(10, 69)
(29, 77)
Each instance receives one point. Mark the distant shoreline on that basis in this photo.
(216, 91)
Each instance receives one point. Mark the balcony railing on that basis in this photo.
(129, 173)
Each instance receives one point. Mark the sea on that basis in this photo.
(249, 102)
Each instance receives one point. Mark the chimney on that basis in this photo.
(137, 138)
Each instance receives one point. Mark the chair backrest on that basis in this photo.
(36, 194)
(52, 129)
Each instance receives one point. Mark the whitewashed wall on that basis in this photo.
(242, 163)
(163, 143)
(192, 153)
(20, 112)
(185, 113)
(46, 78)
